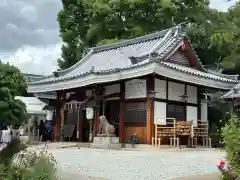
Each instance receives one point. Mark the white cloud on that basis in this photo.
(35, 60)
(29, 13)
(29, 34)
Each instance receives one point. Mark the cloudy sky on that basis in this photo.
(29, 35)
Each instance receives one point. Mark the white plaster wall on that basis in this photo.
(192, 114)
(160, 88)
(192, 94)
(175, 91)
(136, 88)
(160, 112)
(115, 88)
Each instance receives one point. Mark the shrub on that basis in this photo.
(23, 164)
(231, 135)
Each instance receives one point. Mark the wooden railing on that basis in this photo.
(174, 129)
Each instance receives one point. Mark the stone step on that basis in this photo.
(106, 146)
(106, 140)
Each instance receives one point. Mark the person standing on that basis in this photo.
(41, 129)
(6, 135)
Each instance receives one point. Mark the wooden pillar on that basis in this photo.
(96, 122)
(61, 123)
(150, 110)
(122, 111)
(59, 114)
(58, 117)
(62, 103)
(99, 94)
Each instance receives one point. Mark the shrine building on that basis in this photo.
(135, 83)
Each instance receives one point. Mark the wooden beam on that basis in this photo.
(122, 111)
(150, 110)
(95, 122)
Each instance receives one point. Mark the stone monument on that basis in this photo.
(105, 138)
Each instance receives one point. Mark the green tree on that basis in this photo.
(227, 40)
(73, 22)
(84, 24)
(231, 134)
(13, 79)
(12, 83)
(12, 111)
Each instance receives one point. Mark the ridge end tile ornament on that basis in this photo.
(153, 56)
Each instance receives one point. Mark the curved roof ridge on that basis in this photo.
(135, 40)
(66, 71)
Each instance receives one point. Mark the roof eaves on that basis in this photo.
(169, 65)
(233, 77)
(92, 71)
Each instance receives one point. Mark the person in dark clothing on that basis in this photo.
(41, 129)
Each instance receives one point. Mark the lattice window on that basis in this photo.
(136, 112)
(176, 111)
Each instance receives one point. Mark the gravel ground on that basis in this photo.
(137, 165)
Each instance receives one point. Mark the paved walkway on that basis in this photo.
(137, 165)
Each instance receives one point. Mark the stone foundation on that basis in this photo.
(106, 143)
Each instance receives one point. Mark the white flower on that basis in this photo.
(27, 158)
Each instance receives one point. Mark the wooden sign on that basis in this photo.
(68, 130)
(135, 88)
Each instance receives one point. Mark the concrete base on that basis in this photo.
(106, 143)
(106, 140)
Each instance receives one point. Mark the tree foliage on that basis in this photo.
(12, 83)
(12, 111)
(231, 133)
(227, 40)
(11, 77)
(213, 34)
(85, 24)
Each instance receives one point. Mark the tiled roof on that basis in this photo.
(35, 77)
(233, 93)
(197, 72)
(130, 54)
(117, 56)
